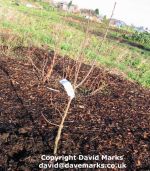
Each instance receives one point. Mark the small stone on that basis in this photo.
(24, 130)
(81, 106)
(4, 137)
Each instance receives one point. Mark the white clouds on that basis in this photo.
(135, 12)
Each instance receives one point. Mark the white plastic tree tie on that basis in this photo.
(68, 87)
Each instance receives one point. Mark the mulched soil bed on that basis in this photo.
(115, 121)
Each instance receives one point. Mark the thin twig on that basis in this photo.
(97, 90)
(49, 121)
(50, 70)
(103, 40)
(44, 66)
(61, 127)
(53, 89)
(33, 64)
(80, 55)
(58, 110)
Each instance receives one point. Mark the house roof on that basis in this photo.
(115, 22)
(66, 3)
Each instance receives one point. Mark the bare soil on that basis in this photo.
(115, 121)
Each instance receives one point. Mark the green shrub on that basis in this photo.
(141, 38)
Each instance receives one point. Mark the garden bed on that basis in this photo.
(115, 121)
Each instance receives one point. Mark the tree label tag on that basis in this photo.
(68, 88)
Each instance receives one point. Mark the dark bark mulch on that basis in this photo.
(115, 121)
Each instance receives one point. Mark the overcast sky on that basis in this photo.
(135, 12)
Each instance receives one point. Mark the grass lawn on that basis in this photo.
(57, 30)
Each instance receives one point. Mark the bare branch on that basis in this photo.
(50, 70)
(61, 127)
(98, 89)
(49, 121)
(103, 40)
(79, 62)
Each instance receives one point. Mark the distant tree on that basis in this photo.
(69, 4)
(17, 2)
(105, 20)
(97, 11)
